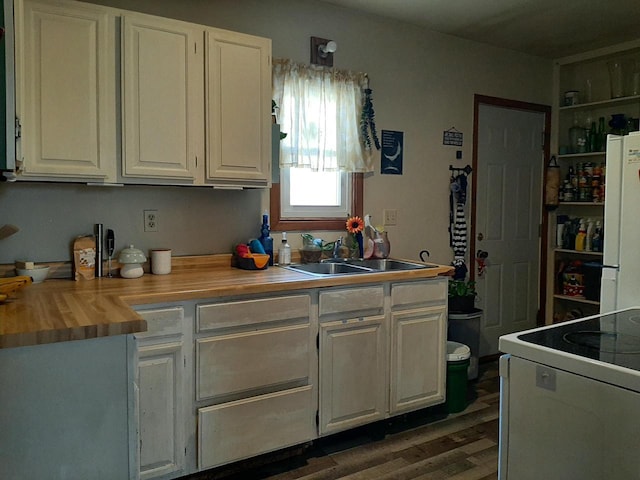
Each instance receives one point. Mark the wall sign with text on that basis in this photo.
(392, 152)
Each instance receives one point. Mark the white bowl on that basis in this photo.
(38, 274)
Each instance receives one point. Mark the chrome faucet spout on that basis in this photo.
(336, 248)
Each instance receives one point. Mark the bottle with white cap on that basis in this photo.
(284, 252)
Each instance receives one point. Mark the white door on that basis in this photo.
(509, 182)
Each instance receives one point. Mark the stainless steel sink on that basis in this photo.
(340, 266)
(328, 268)
(388, 264)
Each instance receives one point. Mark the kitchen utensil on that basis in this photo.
(110, 243)
(7, 231)
(99, 233)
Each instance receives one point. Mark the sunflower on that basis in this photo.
(355, 225)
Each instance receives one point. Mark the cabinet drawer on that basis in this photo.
(162, 322)
(247, 312)
(352, 300)
(244, 428)
(251, 360)
(419, 293)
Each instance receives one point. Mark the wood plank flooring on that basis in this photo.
(424, 445)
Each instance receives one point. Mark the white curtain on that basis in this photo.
(319, 109)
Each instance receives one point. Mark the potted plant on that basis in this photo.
(462, 296)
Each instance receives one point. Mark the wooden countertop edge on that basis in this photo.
(103, 307)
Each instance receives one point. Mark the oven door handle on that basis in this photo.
(615, 267)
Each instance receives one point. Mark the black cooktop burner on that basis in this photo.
(605, 341)
(612, 338)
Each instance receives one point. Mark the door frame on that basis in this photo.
(544, 225)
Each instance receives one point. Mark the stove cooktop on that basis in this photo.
(611, 338)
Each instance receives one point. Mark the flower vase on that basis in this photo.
(360, 244)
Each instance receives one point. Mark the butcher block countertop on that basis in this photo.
(59, 310)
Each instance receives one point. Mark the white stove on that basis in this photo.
(570, 400)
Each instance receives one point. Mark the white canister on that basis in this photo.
(161, 261)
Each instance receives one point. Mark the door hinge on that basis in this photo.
(317, 418)
(184, 361)
(18, 128)
(317, 341)
(542, 136)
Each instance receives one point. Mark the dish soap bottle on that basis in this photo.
(265, 238)
(284, 252)
(581, 237)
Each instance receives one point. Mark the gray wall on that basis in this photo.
(423, 83)
(191, 220)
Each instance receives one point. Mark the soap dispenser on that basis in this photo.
(284, 252)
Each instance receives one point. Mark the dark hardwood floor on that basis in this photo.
(428, 444)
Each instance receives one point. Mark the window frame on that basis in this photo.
(280, 224)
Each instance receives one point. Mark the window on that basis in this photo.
(321, 157)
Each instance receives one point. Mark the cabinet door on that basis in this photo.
(159, 405)
(418, 366)
(353, 360)
(159, 401)
(162, 97)
(65, 81)
(238, 127)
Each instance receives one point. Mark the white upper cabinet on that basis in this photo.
(238, 128)
(194, 102)
(163, 97)
(65, 84)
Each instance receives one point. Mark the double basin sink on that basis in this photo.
(340, 266)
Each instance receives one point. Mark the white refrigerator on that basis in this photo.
(621, 261)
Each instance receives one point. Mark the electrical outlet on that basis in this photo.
(390, 216)
(150, 220)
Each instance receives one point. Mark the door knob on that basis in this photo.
(480, 237)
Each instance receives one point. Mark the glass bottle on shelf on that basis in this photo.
(601, 136)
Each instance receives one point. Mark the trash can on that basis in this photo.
(465, 328)
(457, 382)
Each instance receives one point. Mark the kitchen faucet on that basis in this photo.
(336, 248)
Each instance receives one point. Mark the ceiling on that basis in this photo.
(545, 28)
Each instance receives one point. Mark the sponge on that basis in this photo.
(24, 265)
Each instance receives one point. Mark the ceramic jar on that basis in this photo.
(131, 260)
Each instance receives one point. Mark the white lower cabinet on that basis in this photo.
(418, 342)
(227, 379)
(160, 394)
(417, 374)
(353, 358)
(352, 378)
(256, 365)
(381, 361)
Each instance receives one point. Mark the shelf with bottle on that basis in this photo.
(579, 234)
(612, 102)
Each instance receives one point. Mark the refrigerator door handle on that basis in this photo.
(615, 267)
